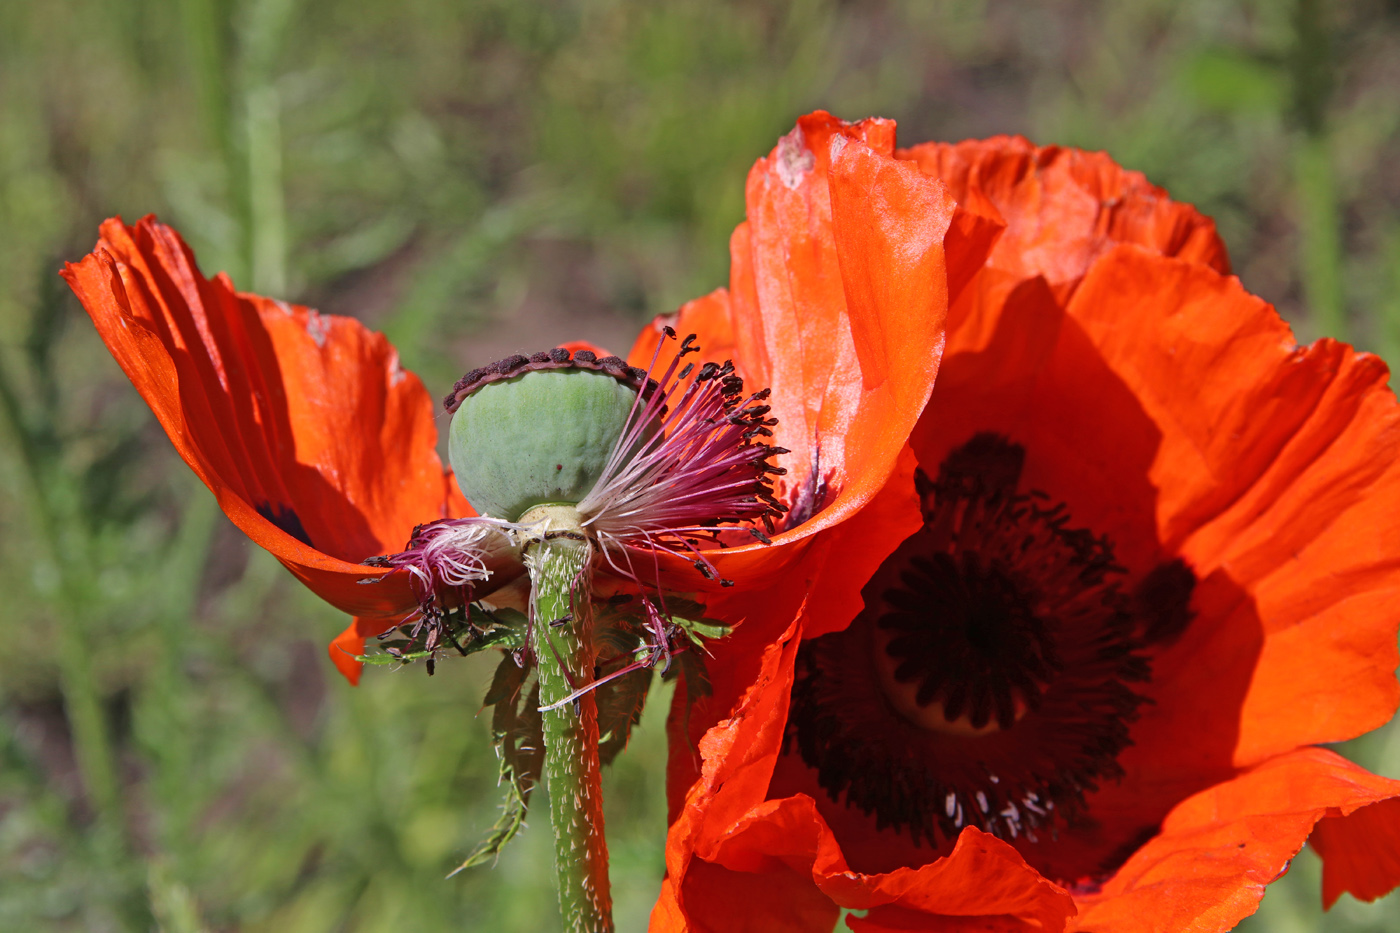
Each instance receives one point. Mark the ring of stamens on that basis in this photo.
(991, 678)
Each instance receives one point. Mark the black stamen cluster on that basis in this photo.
(750, 414)
(1015, 624)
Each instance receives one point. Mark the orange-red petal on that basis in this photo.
(1278, 467)
(709, 318)
(1172, 411)
(839, 294)
(1207, 868)
(727, 830)
(317, 444)
(1360, 851)
(1063, 208)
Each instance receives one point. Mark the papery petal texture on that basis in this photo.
(1161, 406)
(316, 442)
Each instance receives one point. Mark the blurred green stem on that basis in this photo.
(165, 717)
(562, 641)
(64, 546)
(1390, 303)
(267, 232)
(1319, 218)
(242, 114)
(1320, 235)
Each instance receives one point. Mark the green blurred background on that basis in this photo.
(475, 178)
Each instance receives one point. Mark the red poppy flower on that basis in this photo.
(1069, 667)
(322, 449)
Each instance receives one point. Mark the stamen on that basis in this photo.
(703, 466)
(449, 561)
(690, 458)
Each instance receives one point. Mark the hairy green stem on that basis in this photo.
(561, 636)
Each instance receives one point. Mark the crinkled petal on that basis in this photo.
(1278, 467)
(1217, 850)
(1063, 207)
(317, 444)
(1172, 412)
(1360, 851)
(839, 293)
(729, 834)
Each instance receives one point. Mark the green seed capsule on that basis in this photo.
(540, 438)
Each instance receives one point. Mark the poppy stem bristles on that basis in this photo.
(558, 555)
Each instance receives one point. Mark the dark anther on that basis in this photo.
(689, 368)
(562, 620)
(688, 344)
(559, 355)
(669, 331)
(760, 535)
(707, 372)
(585, 356)
(727, 368)
(705, 570)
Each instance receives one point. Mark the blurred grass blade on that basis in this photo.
(172, 903)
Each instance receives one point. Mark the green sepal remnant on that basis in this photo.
(618, 630)
(689, 616)
(619, 636)
(469, 630)
(620, 705)
(516, 729)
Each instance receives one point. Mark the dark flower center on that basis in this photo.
(991, 678)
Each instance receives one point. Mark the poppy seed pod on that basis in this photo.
(539, 438)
